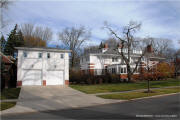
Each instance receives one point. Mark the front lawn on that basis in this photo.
(139, 94)
(6, 105)
(117, 87)
(10, 93)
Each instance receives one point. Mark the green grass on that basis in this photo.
(10, 93)
(101, 88)
(132, 95)
(7, 105)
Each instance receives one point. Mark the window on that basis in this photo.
(114, 59)
(87, 59)
(40, 55)
(119, 69)
(62, 56)
(82, 60)
(25, 54)
(125, 70)
(113, 70)
(143, 59)
(48, 55)
(122, 70)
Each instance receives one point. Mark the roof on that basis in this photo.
(42, 49)
(6, 59)
(111, 51)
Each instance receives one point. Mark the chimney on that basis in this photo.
(106, 46)
(149, 49)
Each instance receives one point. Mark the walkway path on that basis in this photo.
(132, 90)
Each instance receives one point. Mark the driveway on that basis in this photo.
(159, 108)
(40, 98)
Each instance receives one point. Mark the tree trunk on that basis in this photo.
(129, 77)
(129, 73)
(72, 61)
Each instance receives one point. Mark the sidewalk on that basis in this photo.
(132, 90)
(9, 100)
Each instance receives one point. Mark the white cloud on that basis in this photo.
(160, 19)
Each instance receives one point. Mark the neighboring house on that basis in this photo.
(109, 60)
(8, 71)
(42, 66)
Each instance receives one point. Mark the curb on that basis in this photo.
(153, 96)
(156, 96)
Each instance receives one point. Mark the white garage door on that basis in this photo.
(32, 77)
(54, 78)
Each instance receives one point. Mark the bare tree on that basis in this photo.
(4, 4)
(160, 45)
(128, 41)
(112, 42)
(36, 35)
(91, 49)
(177, 62)
(73, 39)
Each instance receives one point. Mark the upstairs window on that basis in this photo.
(40, 55)
(48, 55)
(62, 56)
(25, 54)
(114, 59)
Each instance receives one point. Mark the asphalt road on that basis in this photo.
(159, 108)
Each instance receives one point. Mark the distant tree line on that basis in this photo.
(26, 35)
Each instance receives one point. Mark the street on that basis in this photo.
(165, 107)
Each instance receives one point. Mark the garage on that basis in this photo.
(42, 66)
(55, 78)
(32, 77)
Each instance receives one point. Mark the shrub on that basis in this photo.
(166, 70)
(78, 77)
(115, 78)
(75, 76)
(135, 78)
(100, 80)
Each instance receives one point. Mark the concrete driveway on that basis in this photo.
(40, 98)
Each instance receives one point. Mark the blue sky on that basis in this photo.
(158, 18)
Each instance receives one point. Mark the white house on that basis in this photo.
(42, 66)
(110, 60)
